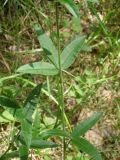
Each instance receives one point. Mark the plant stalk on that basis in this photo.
(9, 147)
(60, 81)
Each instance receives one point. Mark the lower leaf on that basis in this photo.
(87, 147)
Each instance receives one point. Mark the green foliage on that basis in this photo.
(71, 51)
(5, 116)
(68, 55)
(42, 144)
(93, 1)
(85, 87)
(81, 129)
(79, 156)
(26, 123)
(23, 152)
(54, 132)
(47, 45)
(6, 102)
(87, 147)
(30, 103)
(70, 5)
(28, 110)
(42, 68)
(36, 124)
(86, 125)
(28, 133)
(13, 154)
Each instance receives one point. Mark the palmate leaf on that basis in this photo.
(87, 147)
(42, 68)
(71, 6)
(85, 125)
(71, 51)
(47, 45)
(6, 102)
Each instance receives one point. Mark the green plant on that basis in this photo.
(79, 156)
(57, 63)
(27, 133)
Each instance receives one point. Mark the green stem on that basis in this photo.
(10, 146)
(60, 81)
(13, 154)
